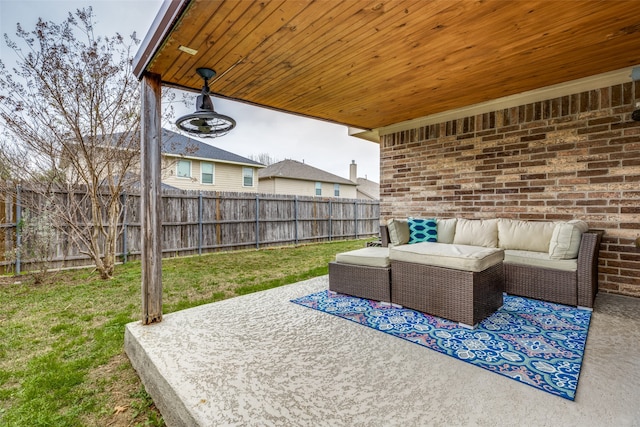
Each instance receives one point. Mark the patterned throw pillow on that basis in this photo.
(423, 230)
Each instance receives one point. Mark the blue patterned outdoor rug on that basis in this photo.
(537, 343)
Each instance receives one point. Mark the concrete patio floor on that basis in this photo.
(260, 360)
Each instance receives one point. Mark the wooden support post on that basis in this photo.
(151, 199)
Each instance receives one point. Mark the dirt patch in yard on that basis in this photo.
(120, 391)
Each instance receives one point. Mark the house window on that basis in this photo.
(318, 189)
(183, 169)
(206, 169)
(336, 190)
(247, 177)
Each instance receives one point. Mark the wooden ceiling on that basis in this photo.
(369, 64)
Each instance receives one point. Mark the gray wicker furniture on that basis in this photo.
(576, 288)
(464, 281)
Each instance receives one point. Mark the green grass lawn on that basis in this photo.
(62, 360)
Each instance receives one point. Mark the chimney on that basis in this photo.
(353, 171)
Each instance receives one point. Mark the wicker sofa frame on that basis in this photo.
(577, 288)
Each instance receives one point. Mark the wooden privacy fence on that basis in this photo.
(198, 222)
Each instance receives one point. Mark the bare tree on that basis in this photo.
(264, 158)
(70, 110)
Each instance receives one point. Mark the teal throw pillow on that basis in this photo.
(423, 230)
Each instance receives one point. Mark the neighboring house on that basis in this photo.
(366, 189)
(293, 177)
(189, 164)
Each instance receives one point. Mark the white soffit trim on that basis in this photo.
(549, 92)
(369, 135)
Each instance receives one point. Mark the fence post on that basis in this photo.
(330, 215)
(200, 215)
(18, 233)
(295, 216)
(218, 219)
(125, 249)
(355, 217)
(257, 222)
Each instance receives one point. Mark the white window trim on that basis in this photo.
(253, 177)
(315, 190)
(336, 187)
(190, 169)
(213, 173)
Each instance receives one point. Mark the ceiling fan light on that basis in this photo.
(205, 122)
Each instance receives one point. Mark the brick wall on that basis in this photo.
(576, 156)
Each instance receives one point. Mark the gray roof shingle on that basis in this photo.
(181, 145)
(369, 188)
(294, 169)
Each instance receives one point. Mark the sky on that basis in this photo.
(283, 136)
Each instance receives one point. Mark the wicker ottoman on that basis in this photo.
(459, 294)
(363, 273)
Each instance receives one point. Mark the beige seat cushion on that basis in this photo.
(477, 232)
(539, 259)
(525, 235)
(457, 257)
(370, 257)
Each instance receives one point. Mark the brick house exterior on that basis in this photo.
(574, 156)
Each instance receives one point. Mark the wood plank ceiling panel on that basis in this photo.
(191, 23)
(227, 48)
(224, 22)
(458, 73)
(396, 64)
(371, 63)
(522, 66)
(229, 36)
(278, 55)
(337, 52)
(332, 47)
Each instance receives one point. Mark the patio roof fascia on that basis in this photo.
(168, 15)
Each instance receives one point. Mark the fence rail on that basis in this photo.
(198, 222)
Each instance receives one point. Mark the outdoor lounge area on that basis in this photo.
(453, 268)
(261, 360)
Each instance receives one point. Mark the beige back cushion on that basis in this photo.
(565, 239)
(525, 235)
(477, 232)
(446, 230)
(398, 231)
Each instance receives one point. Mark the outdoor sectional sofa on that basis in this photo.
(462, 273)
